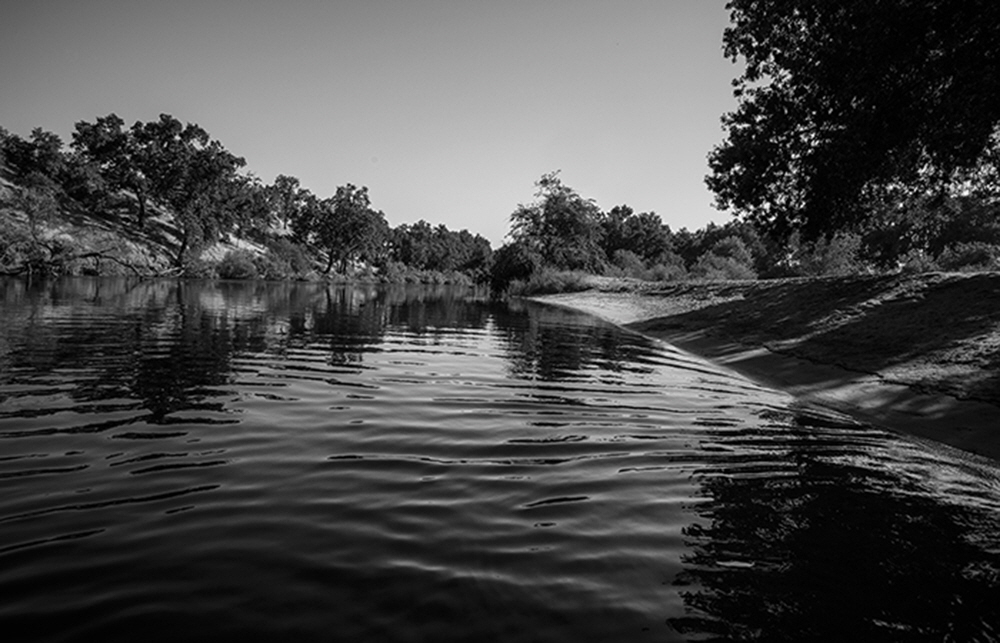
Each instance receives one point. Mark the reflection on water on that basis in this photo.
(271, 461)
(812, 529)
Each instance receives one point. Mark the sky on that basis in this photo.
(449, 111)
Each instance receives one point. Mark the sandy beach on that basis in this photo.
(918, 354)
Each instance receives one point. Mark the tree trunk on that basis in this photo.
(182, 250)
(141, 217)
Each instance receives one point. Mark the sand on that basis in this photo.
(918, 354)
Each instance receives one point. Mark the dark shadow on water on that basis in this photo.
(812, 542)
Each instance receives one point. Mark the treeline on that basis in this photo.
(171, 183)
(561, 236)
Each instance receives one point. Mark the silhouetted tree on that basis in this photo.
(846, 105)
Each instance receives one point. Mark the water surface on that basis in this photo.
(301, 462)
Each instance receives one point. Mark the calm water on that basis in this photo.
(295, 462)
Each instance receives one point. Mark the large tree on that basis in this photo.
(113, 149)
(192, 175)
(847, 105)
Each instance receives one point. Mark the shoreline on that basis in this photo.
(757, 330)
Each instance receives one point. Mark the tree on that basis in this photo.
(561, 227)
(38, 162)
(344, 226)
(115, 152)
(192, 175)
(843, 105)
(286, 196)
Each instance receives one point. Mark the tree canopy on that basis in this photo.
(561, 226)
(345, 227)
(846, 105)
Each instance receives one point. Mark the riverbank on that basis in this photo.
(913, 353)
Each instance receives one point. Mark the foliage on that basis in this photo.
(344, 226)
(290, 260)
(237, 264)
(424, 247)
(115, 153)
(512, 262)
(628, 263)
(917, 261)
(561, 227)
(846, 108)
(728, 259)
(643, 234)
(668, 271)
(969, 256)
(36, 163)
(550, 281)
(836, 255)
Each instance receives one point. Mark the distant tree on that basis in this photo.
(561, 227)
(845, 105)
(412, 244)
(643, 234)
(728, 258)
(251, 207)
(38, 162)
(286, 196)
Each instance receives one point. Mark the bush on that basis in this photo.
(548, 281)
(514, 261)
(667, 272)
(271, 267)
(916, 261)
(292, 258)
(839, 255)
(715, 268)
(199, 269)
(734, 248)
(728, 259)
(237, 264)
(971, 256)
(629, 263)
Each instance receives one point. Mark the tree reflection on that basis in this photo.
(552, 344)
(173, 345)
(799, 544)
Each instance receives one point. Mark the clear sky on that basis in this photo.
(449, 111)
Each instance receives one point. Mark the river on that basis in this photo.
(220, 461)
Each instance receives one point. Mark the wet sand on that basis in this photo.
(919, 354)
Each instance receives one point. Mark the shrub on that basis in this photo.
(970, 256)
(629, 263)
(514, 261)
(286, 257)
(715, 268)
(667, 272)
(272, 267)
(734, 248)
(199, 269)
(916, 261)
(237, 264)
(839, 255)
(549, 281)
